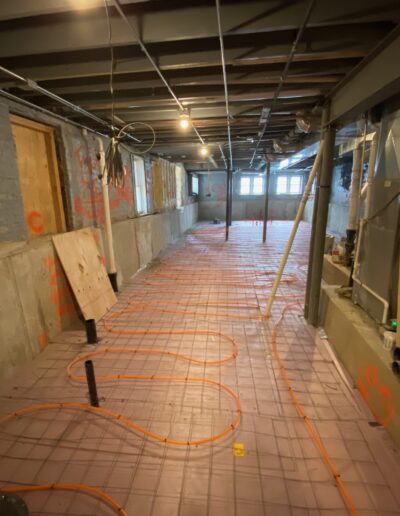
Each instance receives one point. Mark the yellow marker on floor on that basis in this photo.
(238, 449)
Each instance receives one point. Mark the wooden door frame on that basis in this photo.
(54, 172)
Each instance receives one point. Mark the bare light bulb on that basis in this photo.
(184, 122)
(204, 151)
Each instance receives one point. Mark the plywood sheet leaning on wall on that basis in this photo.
(84, 268)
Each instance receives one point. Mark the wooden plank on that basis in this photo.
(39, 176)
(84, 268)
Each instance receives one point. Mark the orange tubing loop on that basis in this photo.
(93, 491)
(310, 426)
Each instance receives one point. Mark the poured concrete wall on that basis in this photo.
(212, 200)
(356, 340)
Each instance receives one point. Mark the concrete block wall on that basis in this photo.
(36, 302)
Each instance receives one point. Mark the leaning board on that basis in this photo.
(83, 266)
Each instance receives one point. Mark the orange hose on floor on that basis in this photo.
(93, 491)
(310, 426)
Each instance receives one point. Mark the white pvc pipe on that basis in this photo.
(371, 173)
(107, 213)
(304, 199)
(354, 200)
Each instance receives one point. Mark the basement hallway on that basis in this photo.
(197, 395)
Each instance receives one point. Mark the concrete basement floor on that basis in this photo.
(267, 465)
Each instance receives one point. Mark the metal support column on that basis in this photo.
(228, 192)
(324, 192)
(231, 197)
(324, 121)
(266, 199)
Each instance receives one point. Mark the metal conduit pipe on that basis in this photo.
(284, 75)
(153, 63)
(33, 85)
(221, 43)
(324, 187)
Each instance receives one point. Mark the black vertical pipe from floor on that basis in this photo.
(320, 225)
(324, 121)
(266, 199)
(228, 191)
(91, 381)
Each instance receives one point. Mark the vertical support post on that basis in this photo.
(266, 199)
(231, 198)
(228, 192)
(324, 121)
(91, 381)
(324, 193)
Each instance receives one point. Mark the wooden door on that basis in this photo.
(39, 177)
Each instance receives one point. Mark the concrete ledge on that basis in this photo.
(334, 273)
(356, 340)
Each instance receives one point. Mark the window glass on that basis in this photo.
(245, 186)
(281, 185)
(258, 186)
(140, 186)
(195, 185)
(295, 185)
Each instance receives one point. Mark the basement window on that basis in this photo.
(140, 186)
(251, 185)
(289, 185)
(195, 185)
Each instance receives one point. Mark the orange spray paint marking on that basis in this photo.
(35, 223)
(377, 394)
(43, 340)
(59, 294)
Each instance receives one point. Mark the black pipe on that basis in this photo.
(266, 199)
(113, 280)
(91, 332)
(324, 121)
(91, 381)
(324, 193)
(228, 190)
(231, 198)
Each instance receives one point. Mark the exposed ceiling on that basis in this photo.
(65, 47)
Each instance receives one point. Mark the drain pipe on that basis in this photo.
(112, 270)
(324, 192)
(354, 203)
(266, 199)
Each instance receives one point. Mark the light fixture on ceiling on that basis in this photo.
(184, 121)
(204, 151)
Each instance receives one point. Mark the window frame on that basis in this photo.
(140, 190)
(289, 178)
(251, 191)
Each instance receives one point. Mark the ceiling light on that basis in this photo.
(184, 121)
(204, 151)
